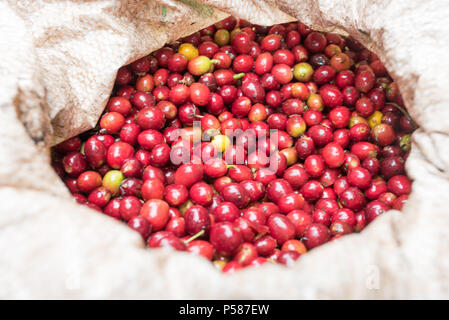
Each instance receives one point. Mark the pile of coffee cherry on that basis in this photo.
(246, 144)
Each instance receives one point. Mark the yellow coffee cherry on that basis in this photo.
(219, 264)
(234, 32)
(186, 205)
(405, 143)
(221, 142)
(375, 119)
(189, 50)
(112, 181)
(290, 154)
(356, 120)
(222, 37)
(303, 71)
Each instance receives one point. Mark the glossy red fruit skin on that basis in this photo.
(152, 189)
(374, 209)
(383, 134)
(364, 80)
(278, 188)
(242, 63)
(328, 205)
(202, 248)
(141, 225)
(74, 163)
(112, 122)
(131, 187)
(69, 145)
(246, 253)
(364, 150)
(296, 175)
(129, 133)
(88, 180)
(130, 207)
(314, 165)
(149, 138)
(236, 194)
(346, 216)
(312, 190)
(322, 217)
(290, 202)
(321, 135)
(241, 42)
(352, 198)
(399, 185)
(288, 258)
(340, 117)
(333, 155)
(232, 267)
(265, 245)
(112, 209)
(226, 238)
(165, 239)
(226, 212)
(201, 193)
(263, 63)
(254, 189)
(359, 177)
(281, 228)
(331, 96)
(315, 235)
(118, 153)
(199, 94)
(151, 118)
(99, 196)
(176, 194)
(315, 42)
(372, 165)
(376, 188)
(323, 74)
(156, 212)
(271, 42)
(399, 202)
(253, 90)
(188, 174)
(131, 167)
(196, 219)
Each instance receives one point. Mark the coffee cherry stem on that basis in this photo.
(195, 236)
(238, 75)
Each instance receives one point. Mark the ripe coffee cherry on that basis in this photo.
(281, 228)
(156, 212)
(226, 212)
(333, 155)
(150, 118)
(300, 220)
(88, 180)
(225, 237)
(74, 163)
(201, 193)
(199, 94)
(236, 194)
(315, 234)
(399, 185)
(352, 198)
(359, 177)
(196, 219)
(374, 209)
(188, 174)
